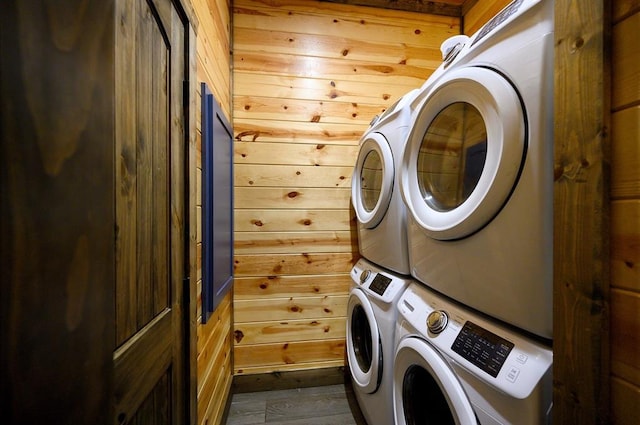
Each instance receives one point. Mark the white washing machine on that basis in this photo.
(371, 322)
(477, 170)
(375, 194)
(455, 367)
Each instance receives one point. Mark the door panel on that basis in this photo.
(150, 213)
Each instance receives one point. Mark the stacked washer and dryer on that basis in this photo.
(470, 154)
(381, 277)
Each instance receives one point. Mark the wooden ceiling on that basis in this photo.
(439, 7)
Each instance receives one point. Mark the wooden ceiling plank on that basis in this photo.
(446, 8)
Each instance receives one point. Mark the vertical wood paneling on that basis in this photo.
(308, 78)
(625, 213)
(126, 177)
(213, 344)
(581, 233)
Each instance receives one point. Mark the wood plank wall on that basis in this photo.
(625, 213)
(213, 55)
(308, 77)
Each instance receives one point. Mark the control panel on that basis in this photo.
(484, 349)
(378, 284)
(493, 353)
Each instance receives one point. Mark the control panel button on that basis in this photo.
(437, 321)
(521, 358)
(513, 373)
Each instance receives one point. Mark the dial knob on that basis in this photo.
(437, 321)
(364, 275)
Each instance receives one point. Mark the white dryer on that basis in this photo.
(375, 194)
(477, 171)
(455, 367)
(371, 322)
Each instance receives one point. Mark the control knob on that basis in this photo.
(437, 320)
(364, 275)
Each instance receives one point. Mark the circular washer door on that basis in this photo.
(464, 153)
(372, 180)
(364, 350)
(425, 389)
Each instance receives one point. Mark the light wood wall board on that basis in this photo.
(291, 286)
(316, 133)
(285, 309)
(625, 402)
(371, 92)
(625, 57)
(213, 49)
(625, 338)
(259, 220)
(625, 152)
(269, 108)
(308, 78)
(622, 9)
(292, 175)
(293, 264)
(337, 46)
(480, 13)
(625, 212)
(216, 409)
(294, 353)
(218, 383)
(292, 330)
(288, 197)
(211, 334)
(625, 244)
(283, 243)
(328, 68)
(295, 153)
(213, 64)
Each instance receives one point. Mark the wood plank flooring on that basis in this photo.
(323, 405)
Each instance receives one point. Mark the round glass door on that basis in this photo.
(363, 343)
(451, 157)
(425, 389)
(464, 153)
(372, 180)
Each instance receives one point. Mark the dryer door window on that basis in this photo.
(464, 154)
(425, 389)
(451, 157)
(372, 180)
(364, 351)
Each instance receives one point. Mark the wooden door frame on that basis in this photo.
(190, 297)
(187, 13)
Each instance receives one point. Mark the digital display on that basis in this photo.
(482, 348)
(379, 284)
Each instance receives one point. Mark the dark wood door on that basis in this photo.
(57, 214)
(149, 360)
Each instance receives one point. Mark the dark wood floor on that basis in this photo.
(324, 405)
